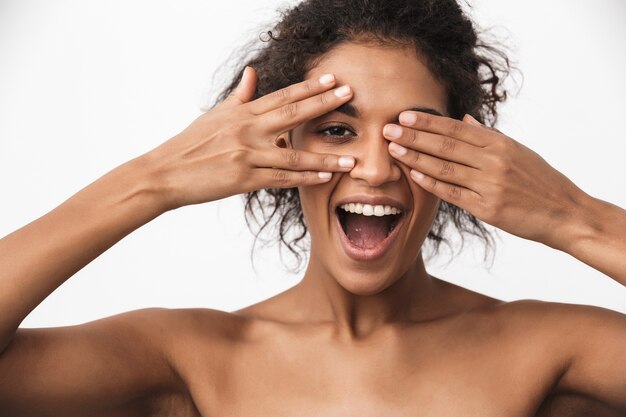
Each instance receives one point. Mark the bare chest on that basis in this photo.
(409, 376)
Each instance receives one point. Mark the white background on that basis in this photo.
(86, 85)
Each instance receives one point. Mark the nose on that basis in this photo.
(374, 164)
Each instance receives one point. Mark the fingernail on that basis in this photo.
(392, 131)
(325, 175)
(472, 120)
(342, 92)
(417, 175)
(397, 149)
(346, 162)
(408, 118)
(327, 79)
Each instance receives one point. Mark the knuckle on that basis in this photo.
(324, 99)
(292, 158)
(503, 165)
(326, 162)
(289, 111)
(505, 146)
(496, 162)
(416, 158)
(455, 128)
(413, 137)
(500, 146)
(309, 178)
(280, 177)
(454, 192)
(282, 94)
(447, 168)
(490, 159)
(238, 157)
(447, 146)
(308, 86)
(435, 185)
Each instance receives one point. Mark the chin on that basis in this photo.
(367, 278)
(364, 284)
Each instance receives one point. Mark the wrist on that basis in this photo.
(584, 225)
(150, 182)
(140, 181)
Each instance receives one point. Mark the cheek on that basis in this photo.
(425, 206)
(315, 201)
(423, 200)
(425, 211)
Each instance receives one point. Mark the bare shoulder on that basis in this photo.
(196, 329)
(191, 320)
(589, 341)
(135, 362)
(560, 317)
(555, 333)
(164, 326)
(567, 324)
(198, 344)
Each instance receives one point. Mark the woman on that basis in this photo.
(368, 95)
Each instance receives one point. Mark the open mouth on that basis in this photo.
(367, 231)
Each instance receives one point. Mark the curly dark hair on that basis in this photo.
(471, 69)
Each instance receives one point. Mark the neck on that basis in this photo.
(320, 297)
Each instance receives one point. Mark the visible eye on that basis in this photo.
(336, 133)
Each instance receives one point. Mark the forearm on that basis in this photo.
(596, 235)
(37, 258)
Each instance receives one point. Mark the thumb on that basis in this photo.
(245, 89)
(470, 119)
(247, 85)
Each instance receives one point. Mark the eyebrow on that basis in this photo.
(352, 111)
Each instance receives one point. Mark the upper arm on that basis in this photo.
(110, 366)
(596, 340)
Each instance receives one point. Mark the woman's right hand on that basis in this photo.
(232, 148)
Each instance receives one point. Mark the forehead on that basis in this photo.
(385, 79)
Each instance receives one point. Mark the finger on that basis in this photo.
(244, 91)
(296, 160)
(470, 119)
(291, 115)
(291, 94)
(465, 131)
(282, 178)
(247, 86)
(444, 147)
(459, 196)
(450, 172)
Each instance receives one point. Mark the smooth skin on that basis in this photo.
(344, 341)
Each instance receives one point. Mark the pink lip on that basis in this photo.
(362, 254)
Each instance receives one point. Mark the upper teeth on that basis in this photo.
(369, 210)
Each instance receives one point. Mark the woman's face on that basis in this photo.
(366, 254)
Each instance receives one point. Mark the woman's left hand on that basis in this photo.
(478, 168)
